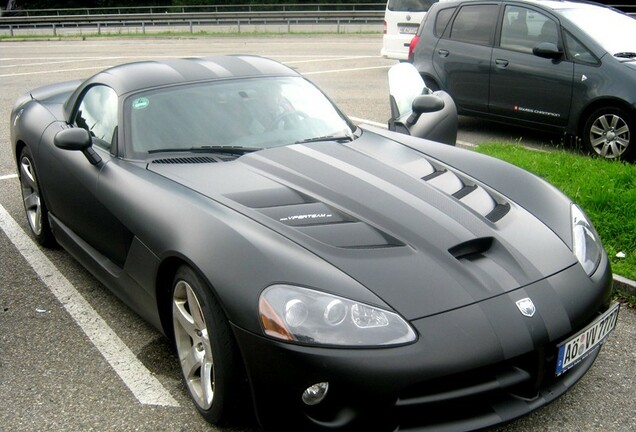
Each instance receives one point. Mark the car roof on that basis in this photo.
(548, 4)
(132, 77)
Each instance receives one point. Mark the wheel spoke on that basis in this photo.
(604, 124)
(195, 309)
(183, 318)
(596, 130)
(32, 201)
(192, 362)
(26, 174)
(207, 382)
(624, 130)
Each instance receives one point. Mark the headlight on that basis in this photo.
(307, 316)
(585, 243)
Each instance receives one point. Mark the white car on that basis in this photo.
(401, 21)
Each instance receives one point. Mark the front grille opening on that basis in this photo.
(475, 397)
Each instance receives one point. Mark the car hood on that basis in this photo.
(419, 233)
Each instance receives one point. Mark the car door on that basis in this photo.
(525, 86)
(463, 54)
(71, 181)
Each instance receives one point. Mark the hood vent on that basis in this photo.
(314, 218)
(186, 160)
(481, 199)
(467, 192)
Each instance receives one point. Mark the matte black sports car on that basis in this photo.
(337, 277)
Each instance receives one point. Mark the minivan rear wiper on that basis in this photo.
(625, 54)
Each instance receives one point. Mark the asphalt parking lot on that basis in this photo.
(71, 355)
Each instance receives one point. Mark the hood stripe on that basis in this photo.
(404, 196)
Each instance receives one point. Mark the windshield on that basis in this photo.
(410, 5)
(248, 114)
(615, 32)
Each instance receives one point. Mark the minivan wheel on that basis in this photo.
(609, 133)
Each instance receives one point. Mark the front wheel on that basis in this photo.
(34, 206)
(207, 352)
(609, 133)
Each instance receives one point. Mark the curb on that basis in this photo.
(627, 286)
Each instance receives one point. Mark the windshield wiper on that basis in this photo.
(236, 150)
(338, 138)
(626, 54)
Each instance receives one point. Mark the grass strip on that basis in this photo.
(605, 190)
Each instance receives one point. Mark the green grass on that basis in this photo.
(605, 190)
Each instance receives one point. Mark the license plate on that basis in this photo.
(408, 29)
(575, 349)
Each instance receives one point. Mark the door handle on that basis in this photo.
(501, 63)
(443, 52)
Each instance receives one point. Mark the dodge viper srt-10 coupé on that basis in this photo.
(327, 276)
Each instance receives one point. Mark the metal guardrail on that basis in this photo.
(98, 18)
(237, 15)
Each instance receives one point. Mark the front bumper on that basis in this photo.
(473, 367)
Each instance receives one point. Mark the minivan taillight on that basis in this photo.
(412, 46)
(384, 27)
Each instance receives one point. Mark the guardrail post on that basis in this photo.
(99, 28)
(239, 25)
(191, 26)
(338, 26)
(11, 30)
(54, 30)
(143, 27)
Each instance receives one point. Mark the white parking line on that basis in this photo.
(53, 71)
(8, 176)
(144, 386)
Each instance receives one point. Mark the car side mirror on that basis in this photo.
(77, 139)
(547, 50)
(426, 103)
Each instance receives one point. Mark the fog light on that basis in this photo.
(316, 393)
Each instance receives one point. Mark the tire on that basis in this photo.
(208, 355)
(35, 209)
(610, 133)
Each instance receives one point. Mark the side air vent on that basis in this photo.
(186, 160)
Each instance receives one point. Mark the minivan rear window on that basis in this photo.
(410, 5)
(443, 17)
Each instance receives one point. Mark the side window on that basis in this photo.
(97, 114)
(522, 29)
(577, 51)
(475, 24)
(442, 19)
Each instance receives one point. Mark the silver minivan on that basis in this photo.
(401, 20)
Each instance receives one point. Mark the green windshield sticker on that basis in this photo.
(140, 103)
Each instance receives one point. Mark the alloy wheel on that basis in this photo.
(193, 344)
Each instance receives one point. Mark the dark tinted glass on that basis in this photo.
(442, 20)
(410, 5)
(475, 24)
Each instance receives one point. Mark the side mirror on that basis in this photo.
(77, 139)
(547, 50)
(426, 103)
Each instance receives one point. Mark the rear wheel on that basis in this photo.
(34, 206)
(609, 133)
(207, 352)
